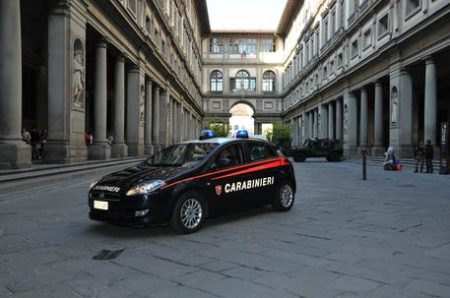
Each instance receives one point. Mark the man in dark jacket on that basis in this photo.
(429, 156)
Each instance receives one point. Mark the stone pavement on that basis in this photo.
(385, 237)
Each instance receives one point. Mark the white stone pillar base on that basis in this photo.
(378, 150)
(99, 151)
(136, 149)
(119, 150)
(149, 150)
(351, 150)
(14, 155)
(56, 152)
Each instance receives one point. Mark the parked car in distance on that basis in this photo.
(330, 149)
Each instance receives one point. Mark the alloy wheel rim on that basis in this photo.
(191, 213)
(286, 196)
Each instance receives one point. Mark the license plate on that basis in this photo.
(101, 205)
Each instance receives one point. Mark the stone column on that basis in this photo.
(323, 124)
(430, 114)
(156, 119)
(350, 123)
(179, 122)
(165, 117)
(148, 117)
(175, 125)
(316, 123)
(330, 121)
(14, 152)
(119, 149)
(401, 120)
(364, 120)
(378, 148)
(338, 120)
(311, 124)
(100, 150)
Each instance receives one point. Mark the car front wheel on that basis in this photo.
(299, 157)
(284, 198)
(189, 213)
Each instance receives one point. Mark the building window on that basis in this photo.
(216, 45)
(383, 25)
(242, 81)
(367, 38)
(132, 5)
(268, 82)
(355, 48)
(325, 30)
(341, 13)
(325, 72)
(340, 60)
(216, 81)
(268, 45)
(148, 24)
(331, 66)
(316, 50)
(412, 6)
(247, 46)
(163, 47)
(332, 21)
(233, 46)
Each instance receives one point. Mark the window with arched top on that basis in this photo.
(268, 81)
(216, 81)
(242, 80)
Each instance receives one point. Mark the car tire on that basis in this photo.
(188, 214)
(333, 157)
(299, 157)
(284, 197)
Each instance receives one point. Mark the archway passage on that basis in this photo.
(242, 118)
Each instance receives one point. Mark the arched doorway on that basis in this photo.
(242, 118)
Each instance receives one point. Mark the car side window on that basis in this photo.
(228, 157)
(259, 151)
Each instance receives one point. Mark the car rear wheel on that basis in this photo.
(189, 213)
(299, 157)
(284, 198)
(334, 156)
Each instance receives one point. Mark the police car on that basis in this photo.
(188, 182)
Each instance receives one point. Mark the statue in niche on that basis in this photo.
(78, 78)
(394, 103)
(141, 104)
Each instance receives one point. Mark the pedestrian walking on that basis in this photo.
(35, 142)
(26, 137)
(419, 154)
(429, 156)
(43, 139)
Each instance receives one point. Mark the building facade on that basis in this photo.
(143, 74)
(243, 67)
(370, 73)
(127, 70)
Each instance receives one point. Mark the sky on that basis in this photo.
(245, 14)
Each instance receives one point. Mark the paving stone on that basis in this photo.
(354, 284)
(343, 238)
(232, 287)
(429, 288)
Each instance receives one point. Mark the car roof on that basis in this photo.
(222, 141)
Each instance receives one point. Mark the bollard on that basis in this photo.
(364, 164)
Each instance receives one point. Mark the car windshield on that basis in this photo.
(185, 155)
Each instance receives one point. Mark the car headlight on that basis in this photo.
(145, 188)
(93, 183)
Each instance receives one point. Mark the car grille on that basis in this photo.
(105, 196)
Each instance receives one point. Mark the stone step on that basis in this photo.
(40, 170)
